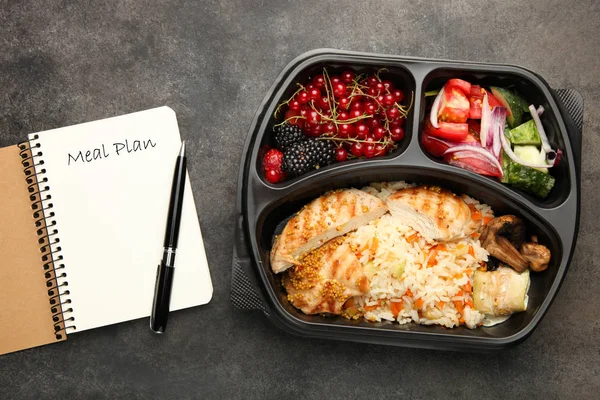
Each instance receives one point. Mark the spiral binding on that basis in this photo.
(54, 269)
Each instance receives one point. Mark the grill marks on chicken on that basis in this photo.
(329, 216)
(435, 213)
(325, 279)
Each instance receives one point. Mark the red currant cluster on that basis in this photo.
(362, 114)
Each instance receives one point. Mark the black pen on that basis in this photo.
(166, 269)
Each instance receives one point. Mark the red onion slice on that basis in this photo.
(540, 128)
(486, 115)
(435, 109)
(540, 110)
(481, 151)
(496, 129)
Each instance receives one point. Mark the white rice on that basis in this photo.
(429, 293)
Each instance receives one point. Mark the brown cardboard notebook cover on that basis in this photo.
(25, 310)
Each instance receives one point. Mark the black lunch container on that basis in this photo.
(262, 206)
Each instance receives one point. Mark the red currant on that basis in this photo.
(294, 104)
(369, 150)
(355, 113)
(388, 100)
(392, 113)
(370, 108)
(357, 105)
(335, 80)
(361, 130)
(329, 128)
(303, 97)
(373, 124)
(273, 175)
(319, 81)
(400, 121)
(343, 116)
(357, 149)
(397, 133)
(314, 130)
(323, 103)
(304, 110)
(346, 130)
(344, 103)
(380, 87)
(372, 81)
(388, 85)
(341, 154)
(379, 133)
(373, 91)
(347, 77)
(380, 150)
(398, 95)
(339, 89)
(380, 100)
(314, 93)
(313, 117)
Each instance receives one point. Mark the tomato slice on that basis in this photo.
(460, 84)
(475, 109)
(474, 128)
(473, 162)
(434, 146)
(494, 102)
(448, 130)
(454, 105)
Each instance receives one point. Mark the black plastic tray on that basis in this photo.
(262, 206)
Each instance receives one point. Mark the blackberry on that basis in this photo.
(307, 155)
(299, 158)
(325, 152)
(287, 134)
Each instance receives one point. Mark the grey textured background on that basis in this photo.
(64, 62)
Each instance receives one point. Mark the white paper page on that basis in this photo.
(111, 209)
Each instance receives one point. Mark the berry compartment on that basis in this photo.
(400, 77)
(535, 94)
(543, 285)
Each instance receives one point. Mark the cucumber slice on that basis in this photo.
(513, 103)
(532, 155)
(529, 180)
(526, 133)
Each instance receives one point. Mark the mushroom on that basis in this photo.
(501, 237)
(537, 255)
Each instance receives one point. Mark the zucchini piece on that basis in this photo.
(525, 133)
(529, 179)
(513, 103)
(501, 292)
(531, 154)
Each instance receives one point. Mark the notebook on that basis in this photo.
(83, 213)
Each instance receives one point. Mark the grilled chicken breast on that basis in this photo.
(325, 279)
(435, 213)
(329, 216)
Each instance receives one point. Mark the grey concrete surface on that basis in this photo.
(64, 62)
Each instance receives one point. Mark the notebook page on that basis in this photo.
(110, 184)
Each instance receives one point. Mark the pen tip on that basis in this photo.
(182, 150)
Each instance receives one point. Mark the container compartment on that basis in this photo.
(533, 93)
(270, 221)
(400, 76)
